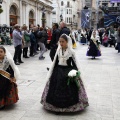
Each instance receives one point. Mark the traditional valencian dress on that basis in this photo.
(94, 47)
(57, 95)
(73, 41)
(83, 38)
(8, 89)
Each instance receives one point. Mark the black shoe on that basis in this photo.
(26, 57)
(48, 69)
(17, 63)
(36, 53)
(3, 107)
(21, 62)
(57, 113)
(32, 55)
(42, 58)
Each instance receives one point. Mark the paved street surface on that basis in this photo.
(101, 78)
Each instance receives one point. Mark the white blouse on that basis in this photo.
(63, 56)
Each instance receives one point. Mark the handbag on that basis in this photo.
(27, 38)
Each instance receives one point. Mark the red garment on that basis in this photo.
(105, 39)
(49, 35)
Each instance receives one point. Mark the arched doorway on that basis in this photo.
(13, 15)
(31, 18)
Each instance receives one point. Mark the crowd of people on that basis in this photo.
(36, 39)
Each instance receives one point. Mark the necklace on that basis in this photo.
(63, 57)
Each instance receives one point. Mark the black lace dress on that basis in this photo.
(60, 94)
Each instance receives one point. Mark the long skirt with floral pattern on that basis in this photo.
(63, 98)
(8, 92)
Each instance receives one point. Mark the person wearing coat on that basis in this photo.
(118, 39)
(54, 40)
(64, 29)
(26, 39)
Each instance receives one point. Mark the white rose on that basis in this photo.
(72, 73)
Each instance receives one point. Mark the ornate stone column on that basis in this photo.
(25, 13)
(21, 13)
(36, 13)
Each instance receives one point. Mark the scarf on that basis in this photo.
(4, 64)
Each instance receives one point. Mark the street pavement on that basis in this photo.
(101, 79)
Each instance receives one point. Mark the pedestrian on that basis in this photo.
(73, 40)
(64, 29)
(17, 41)
(100, 34)
(46, 38)
(27, 43)
(42, 38)
(83, 37)
(8, 86)
(105, 40)
(94, 46)
(49, 32)
(118, 39)
(54, 41)
(33, 41)
(79, 35)
(36, 30)
(61, 95)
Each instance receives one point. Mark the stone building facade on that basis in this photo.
(26, 12)
(66, 10)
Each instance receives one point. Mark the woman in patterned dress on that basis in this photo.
(8, 86)
(57, 95)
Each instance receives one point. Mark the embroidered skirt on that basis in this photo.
(8, 92)
(60, 97)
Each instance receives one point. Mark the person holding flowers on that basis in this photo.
(64, 91)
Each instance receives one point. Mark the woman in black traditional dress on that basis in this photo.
(94, 47)
(58, 96)
(8, 86)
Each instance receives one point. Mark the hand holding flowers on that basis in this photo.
(73, 76)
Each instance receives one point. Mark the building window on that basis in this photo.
(67, 11)
(68, 4)
(105, 4)
(31, 15)
(67, 19)
(13, 10)
(54, 12)
(118, 4)
(62, 3)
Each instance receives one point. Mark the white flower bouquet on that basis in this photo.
(73, 76)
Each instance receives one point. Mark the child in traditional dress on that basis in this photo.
(8, 86)
(58, 95)
(94, 46)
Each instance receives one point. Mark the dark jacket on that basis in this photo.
(55, 37)
(32, 38)
(36, 35)
(42, 36)
(65, 30)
